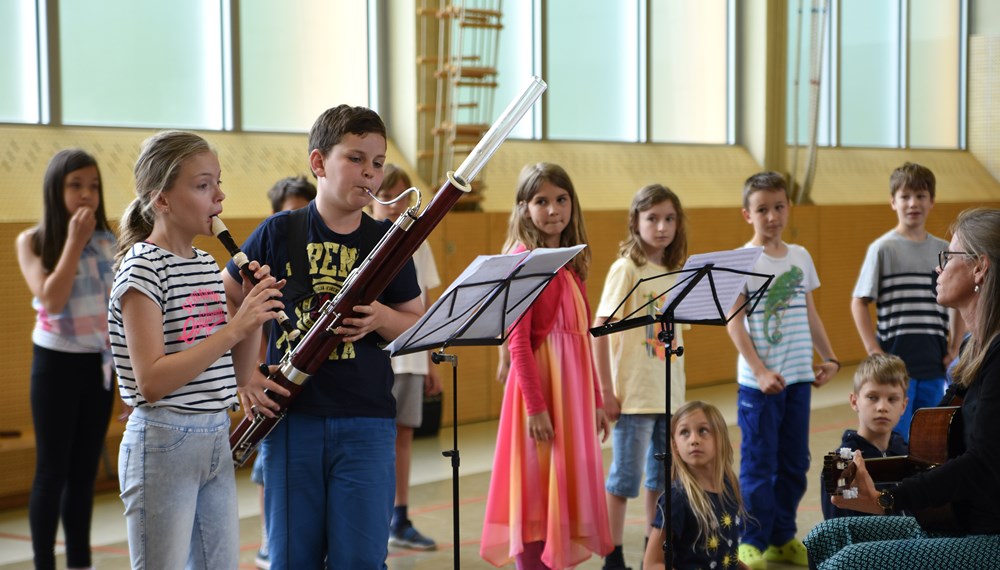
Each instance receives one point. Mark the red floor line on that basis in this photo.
(442, 546)
(109, 549)
(444, 506)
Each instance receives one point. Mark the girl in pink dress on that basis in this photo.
(546, 505)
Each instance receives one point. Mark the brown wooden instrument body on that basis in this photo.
(374, 275)
(936, 434)
(248, 434)
(935, 437)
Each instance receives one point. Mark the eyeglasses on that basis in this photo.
(943, 257)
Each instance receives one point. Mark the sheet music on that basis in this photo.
(699, 305)
(489, 268)
(489, 296)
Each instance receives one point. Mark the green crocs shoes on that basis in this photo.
(792, 552)
(752, 557)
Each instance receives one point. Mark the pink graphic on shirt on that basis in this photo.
(205, 308)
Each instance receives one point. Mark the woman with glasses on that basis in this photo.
(969, 483)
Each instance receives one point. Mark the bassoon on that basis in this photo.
(365, 282)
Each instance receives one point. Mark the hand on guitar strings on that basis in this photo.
(867, 497)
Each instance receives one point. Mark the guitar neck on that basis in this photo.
(895, 469)
(838, 473)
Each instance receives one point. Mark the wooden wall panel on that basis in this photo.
(15, 340)
(605, 230)
(464, 237)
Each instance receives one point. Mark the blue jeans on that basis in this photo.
(774, 460)
(179, 489)
(329, 493)
(636, 439)
(922, 393)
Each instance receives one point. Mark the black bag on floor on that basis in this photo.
(431, 423)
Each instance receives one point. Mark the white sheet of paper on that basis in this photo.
(479, 293)
(700, 302)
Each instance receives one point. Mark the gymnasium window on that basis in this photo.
(644, 71)
(892, 73)
(296, 57)
(19, 62)
(142, 64)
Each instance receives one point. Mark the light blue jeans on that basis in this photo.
(179, 488)
(636, 440)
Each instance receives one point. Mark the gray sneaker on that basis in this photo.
(408, 537)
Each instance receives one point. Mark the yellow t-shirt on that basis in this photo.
(637, 357)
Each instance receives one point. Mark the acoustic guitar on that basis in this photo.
(935, 437)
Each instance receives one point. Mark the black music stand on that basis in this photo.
(705, 290)
(479, 309)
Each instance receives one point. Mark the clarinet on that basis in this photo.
(372, 276)
(240, 259)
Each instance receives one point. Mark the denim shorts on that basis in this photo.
(636, 439)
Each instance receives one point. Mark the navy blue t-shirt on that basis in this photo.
(357, 379)
(692, 551)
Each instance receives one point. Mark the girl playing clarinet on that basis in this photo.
(178, 357)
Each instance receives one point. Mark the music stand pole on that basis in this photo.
(666, 336)
(438, 358)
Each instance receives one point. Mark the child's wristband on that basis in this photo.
(835, 361)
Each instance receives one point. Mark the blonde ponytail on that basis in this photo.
(136, 225)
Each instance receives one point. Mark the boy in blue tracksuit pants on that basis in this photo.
(775, 372)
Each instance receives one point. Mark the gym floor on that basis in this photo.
(431, 494)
